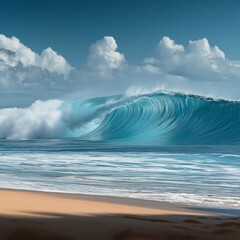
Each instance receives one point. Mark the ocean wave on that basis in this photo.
(156, 118)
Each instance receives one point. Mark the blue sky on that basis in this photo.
(70, 27)
(70, 49)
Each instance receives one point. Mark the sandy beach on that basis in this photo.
(38, 215)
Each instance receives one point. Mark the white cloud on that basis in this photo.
(53, 62)
(197, 61)
(168, 48)
(103, 56)
(13, 53)
(196, 68)
(19, 65)
(151, 69)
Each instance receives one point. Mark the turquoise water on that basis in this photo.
(161, 146)
(152, 119)
(198, 175)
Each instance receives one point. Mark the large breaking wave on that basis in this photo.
(157, 118)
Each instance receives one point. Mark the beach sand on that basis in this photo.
(29, 215)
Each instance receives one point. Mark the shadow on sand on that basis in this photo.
(47, 226)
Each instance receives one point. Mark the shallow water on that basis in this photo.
(197, 175)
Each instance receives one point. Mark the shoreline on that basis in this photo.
(131, 201)
(144, 206)
(39, 215)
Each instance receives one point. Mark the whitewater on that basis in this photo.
(161, 146)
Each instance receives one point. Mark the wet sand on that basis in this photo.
(29, 215)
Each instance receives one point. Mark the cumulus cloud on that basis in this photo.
(198, 61)
(104, 57)
(14, 53)
(22, 66)
(51, 61)
(197, 68)
(167, 48)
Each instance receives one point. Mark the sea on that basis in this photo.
(166, 147)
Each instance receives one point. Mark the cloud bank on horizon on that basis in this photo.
(197, 68)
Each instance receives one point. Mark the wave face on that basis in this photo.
(156, 119)
(159, 119)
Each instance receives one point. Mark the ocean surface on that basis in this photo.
(165, 147)
(198, 175)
